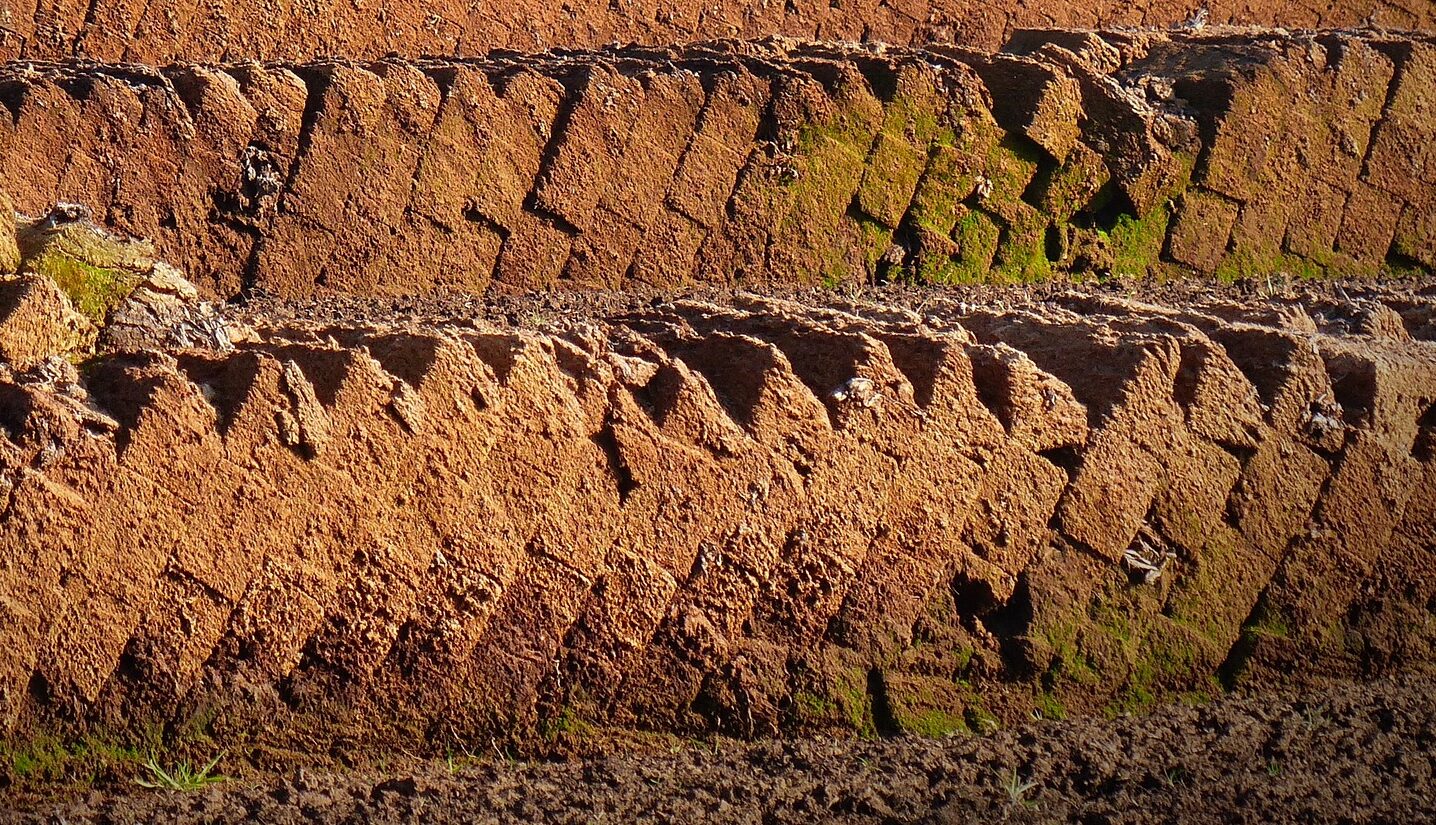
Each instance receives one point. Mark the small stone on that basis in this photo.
(857, 390)
(984, 187)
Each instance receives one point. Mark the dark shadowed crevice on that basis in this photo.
(607, 441)
(884, 721)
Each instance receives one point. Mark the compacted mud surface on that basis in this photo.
(1342, 754)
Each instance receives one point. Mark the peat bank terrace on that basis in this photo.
(790, 383)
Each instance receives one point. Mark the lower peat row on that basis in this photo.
(748, 516)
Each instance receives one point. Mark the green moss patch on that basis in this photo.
(1011, 164)
(1072, 187)
(49, 761)
(1049, 706)
(900, 153)
(94, 290)
(934, 724)
(568, 725)
(976, 235)
(929, 705)
(948, 180)
(834, 695)
(1136, 243)
(828, 164)
(1022, 250)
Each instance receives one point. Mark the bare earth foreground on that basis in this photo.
(1346, 753)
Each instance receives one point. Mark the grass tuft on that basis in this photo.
(182, 777)
(1017, 789)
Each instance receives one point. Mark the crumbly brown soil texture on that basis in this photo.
(1137, 153)
(1344, 754)
(169, 30)
(891, 513)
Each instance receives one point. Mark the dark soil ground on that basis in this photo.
(544, 309)
(1346, 753)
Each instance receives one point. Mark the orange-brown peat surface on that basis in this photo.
(889, 413)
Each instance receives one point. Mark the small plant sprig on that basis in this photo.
(463, 758)
(1314, 717)
(1176, 777)
(1017, 789)
(182, 778)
